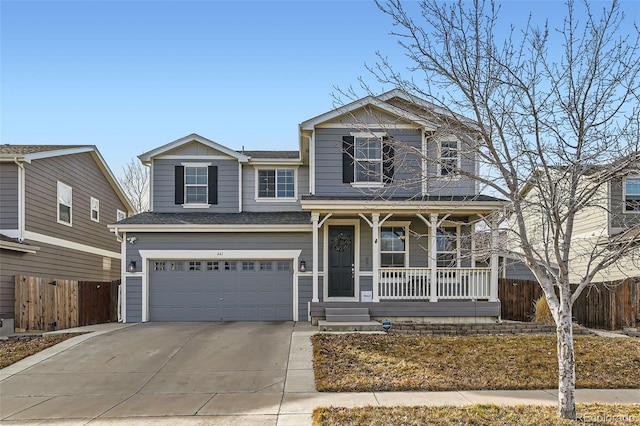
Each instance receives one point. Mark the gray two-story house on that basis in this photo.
(55, 204)
(369, 212)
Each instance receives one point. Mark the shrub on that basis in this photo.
(543, 313)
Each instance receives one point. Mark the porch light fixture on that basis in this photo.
(303, 266)
(132, 266)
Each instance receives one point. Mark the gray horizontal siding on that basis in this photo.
(164, 186)
(51, 261)
(305, 295)
(134, 299)
(516, 270)
(417, 309)
(8, 196)
(249, 203)
(620, 220)
(80, 172)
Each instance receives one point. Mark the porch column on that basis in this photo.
(433, 258)
(375, 226)
(315, 261)
(493, 280)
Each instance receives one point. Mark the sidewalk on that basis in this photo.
(294, 405)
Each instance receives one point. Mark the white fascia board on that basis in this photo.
(276, 161)
(401, 206)
(212, 228)
(364, 102)
(58, 152)
(7, 245)
(59, 242)
(147, 156)
(12, 158)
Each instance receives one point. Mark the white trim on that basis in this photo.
(425, 163)
(97, 209)
(194, 157)
(22, 197)
(259, 199)
(152, 167)
(8, 245)
(406, 224)
(122, 293)
(275, 162)
(195, 206)
(58, 153)
(70, 205)
(356, 260)
(213, 228)
(240, 189)
(118, 211)
(390, 126)
(148, 255)
(624, 195)
(59, 242)
(148, 156)
(312, 163)
(368, 135)
(367, 184)
(194, 164)
(11, 233)
(449, 138)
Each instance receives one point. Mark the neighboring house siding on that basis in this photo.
(8, 196)
(249, 203)
(621, 220)
(516, 270)
(82, 174)
(164, 186)
(52, 262)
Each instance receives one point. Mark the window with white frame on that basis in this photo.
(632, 194)
(393, 246)
(449, 158)
(367, 159)
(64, 203)
(195, 184)
(95, 209)
(276, 183)
(447, 246)
(120, 215)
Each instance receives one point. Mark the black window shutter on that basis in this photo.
(387, 160)
(213, 184)
(179, 184)
(347, 159)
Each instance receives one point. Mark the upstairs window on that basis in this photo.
(368, 160)
(95, 209)
(64, 203)
(449, 158)
(276, 183)
(120, 215)
(393, 246)
(195, 185)
(632, 194)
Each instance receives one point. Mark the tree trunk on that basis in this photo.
(566, 360)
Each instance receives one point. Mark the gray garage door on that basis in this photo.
(233, 290)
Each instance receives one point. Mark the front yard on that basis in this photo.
(366, 362)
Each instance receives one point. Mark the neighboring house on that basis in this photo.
(612, 217)
(351, 219)
(55, 204)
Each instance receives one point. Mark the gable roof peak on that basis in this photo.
(193, 137)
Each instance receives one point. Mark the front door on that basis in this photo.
(341, 261)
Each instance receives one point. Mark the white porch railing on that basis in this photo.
(451, 283)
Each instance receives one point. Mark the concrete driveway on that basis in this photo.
(160, 370)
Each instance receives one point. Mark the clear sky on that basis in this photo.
(129, 76)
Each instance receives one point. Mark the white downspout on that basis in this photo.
(21, 199)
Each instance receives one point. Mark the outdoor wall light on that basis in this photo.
(132, 266)
(303, 266)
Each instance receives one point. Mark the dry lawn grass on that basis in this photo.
(14, 350)
(608, 414)
(366, 362)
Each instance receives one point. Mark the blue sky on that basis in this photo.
(129, 76)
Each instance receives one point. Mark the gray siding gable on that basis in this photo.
(164, 186)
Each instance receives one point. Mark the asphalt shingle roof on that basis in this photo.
(30, 149)
(244, 218)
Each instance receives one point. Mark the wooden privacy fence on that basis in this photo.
(609, 305)
(47, 304)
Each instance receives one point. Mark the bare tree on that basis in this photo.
(135, 183)
(551, 132)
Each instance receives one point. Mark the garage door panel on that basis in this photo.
(263, 293)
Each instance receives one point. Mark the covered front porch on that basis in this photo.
(410, 260)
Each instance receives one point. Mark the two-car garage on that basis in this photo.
(220, 290)
(192, 286)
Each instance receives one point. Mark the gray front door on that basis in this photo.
(341, 261)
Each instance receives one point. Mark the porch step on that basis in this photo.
(349, 326)
(347, 315)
